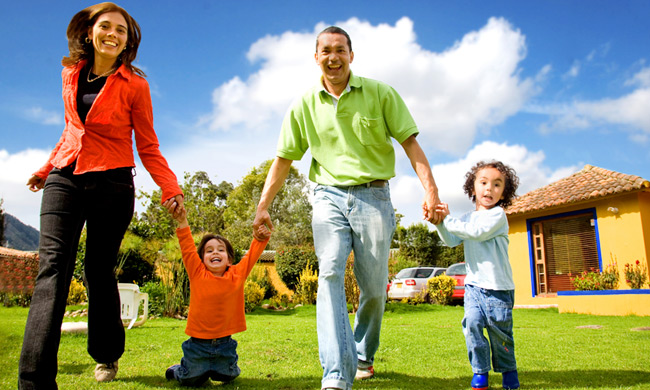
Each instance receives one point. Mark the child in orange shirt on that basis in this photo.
(216, 303)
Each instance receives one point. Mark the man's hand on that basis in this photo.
(261, 223)
(429, 210)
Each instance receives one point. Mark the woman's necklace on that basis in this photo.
(98, 77)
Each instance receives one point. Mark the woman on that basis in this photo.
(88, 180)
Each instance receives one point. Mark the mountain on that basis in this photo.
(19, 236)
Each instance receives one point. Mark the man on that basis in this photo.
(348, 121)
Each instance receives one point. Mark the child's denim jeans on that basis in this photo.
(491, 310)
(214, 359)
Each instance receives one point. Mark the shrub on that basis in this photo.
(609, 277)
(172, 277)
(157, 297)
(587, 281)
(260, 275)
(77, 292)
(397, 261)
(10, 299)
(594, 280)
(307, 286)
(253, 295)
(418, 299)
(636, 275)
(280, 300)
(351, 286)
(290, 261)
(441, 288)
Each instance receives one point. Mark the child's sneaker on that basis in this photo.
(105, 372)
(480, 382)
(510, 380)
(364, 373)
(169, 374)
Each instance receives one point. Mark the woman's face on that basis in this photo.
(109, 35)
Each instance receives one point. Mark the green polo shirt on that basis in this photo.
(351, 142)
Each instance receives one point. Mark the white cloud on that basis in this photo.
(630, 111)
(42, 116)
(15, 170)
(407, 192)
(574, 71)
(473, 84)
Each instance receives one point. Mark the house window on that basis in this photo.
(563, 245)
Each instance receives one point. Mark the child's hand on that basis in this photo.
(178, 211)
(443, 210)
(262, 233)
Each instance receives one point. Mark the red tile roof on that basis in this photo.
(588, 184)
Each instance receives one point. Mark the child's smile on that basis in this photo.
(215, 257)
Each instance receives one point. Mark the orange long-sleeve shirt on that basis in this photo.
(216, 303)
(104, 142)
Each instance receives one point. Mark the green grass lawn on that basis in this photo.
(422, 347)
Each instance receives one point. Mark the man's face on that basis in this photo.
(334, 57)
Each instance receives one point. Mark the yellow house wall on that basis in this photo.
(606, 305)
(621, 236)
(644, 206)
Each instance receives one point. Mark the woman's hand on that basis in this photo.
(35, 183)
(175, 207)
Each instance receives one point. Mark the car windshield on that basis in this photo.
(414, 273)
(456, 269)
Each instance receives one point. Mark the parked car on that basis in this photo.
(411, 281)
(458, 272)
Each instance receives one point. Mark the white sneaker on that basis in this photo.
(105, 372)
(365, 373)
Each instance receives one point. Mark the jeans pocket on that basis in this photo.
(119, 180)
(381, 193)
(499, 311)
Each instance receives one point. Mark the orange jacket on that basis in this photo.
(105, 141)
(216, 303)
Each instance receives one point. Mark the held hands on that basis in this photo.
(262, 225)
(35, 183)
(176, 208)
(262, 233)
(430, 208)
(443, 210)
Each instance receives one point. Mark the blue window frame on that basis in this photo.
(560, 245)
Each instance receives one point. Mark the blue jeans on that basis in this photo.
(359, 219)
(104, 202)
(214, 359)
(491, 310)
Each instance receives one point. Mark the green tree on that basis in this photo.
(449, 256)
(290, 211)
(418, 243)
(205, 203)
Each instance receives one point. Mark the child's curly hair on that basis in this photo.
(511, 184)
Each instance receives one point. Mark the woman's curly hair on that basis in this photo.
(511, 181)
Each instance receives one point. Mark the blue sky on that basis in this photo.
(545, 86)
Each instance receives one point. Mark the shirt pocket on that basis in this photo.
(369, 131)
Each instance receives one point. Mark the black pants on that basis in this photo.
(104, 201)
